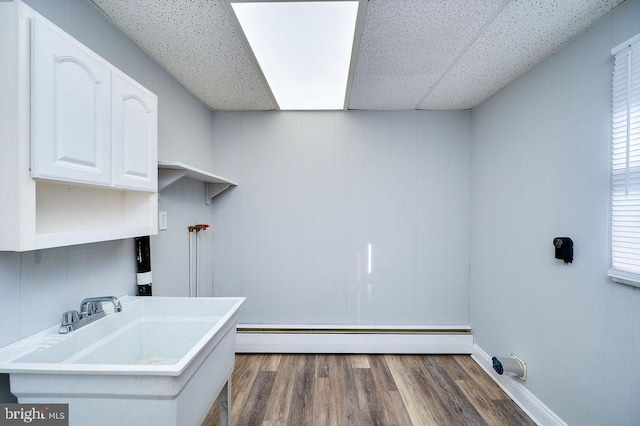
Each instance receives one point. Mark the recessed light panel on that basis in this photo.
(303, 48)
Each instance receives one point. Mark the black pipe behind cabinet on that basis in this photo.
(143, 262)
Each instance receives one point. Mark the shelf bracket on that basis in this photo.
(167, 177)
(171, 171)
(213, 189)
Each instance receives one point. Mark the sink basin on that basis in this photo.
(161, 361)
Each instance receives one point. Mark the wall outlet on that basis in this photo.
(162, 221)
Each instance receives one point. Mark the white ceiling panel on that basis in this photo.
(407, 46)
(197, 43)
(521, 36)
(413, 54)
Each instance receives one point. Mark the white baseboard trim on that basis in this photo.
(530, 404)
(264, 342)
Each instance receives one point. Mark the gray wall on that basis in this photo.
(540, 169)
(184, 203)
(36, 287)
(316, 189)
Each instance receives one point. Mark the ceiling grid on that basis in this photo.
(428, 54)
(521, 36)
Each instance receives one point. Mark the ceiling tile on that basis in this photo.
(196, 42)
(428, 54)
(521, 36)
(407, 46)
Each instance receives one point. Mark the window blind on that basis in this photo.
(625, 164)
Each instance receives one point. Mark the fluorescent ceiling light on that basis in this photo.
(303, 48)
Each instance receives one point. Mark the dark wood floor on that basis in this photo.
(300, 390)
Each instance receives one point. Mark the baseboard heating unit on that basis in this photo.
(260, 338)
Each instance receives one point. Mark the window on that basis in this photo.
(625, 164)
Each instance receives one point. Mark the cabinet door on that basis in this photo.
(135, 135)
(71, 109)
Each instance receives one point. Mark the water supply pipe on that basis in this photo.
(194, 284)
(190, 262)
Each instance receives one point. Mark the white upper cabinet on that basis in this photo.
(91, 124)
(78, 141)
(71, 109)
(135, 124)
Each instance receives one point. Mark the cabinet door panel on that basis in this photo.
(135, 124)
(71, 110)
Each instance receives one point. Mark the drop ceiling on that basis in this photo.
(421, 54)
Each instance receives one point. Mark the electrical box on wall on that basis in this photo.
(564, 249)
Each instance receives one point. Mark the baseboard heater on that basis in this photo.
(252, 338)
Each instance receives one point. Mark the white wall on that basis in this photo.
(37, 287)
(540, 163)
(316, 188)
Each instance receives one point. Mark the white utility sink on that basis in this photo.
(161, 361)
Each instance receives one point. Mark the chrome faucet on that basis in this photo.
(88, 302)
(90, 311)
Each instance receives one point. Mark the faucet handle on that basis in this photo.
(93, 308)
(70, 317)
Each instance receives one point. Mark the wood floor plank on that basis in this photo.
(368, 397)
(344, 389)
(278, 408)
(485, 406)
(323, 399)
(395, 412)
(322, 366)
(381, 374)
(412, 361)
(512, 412)
(453, 368)
(410, 392)
(272, 362)
(301, 409)
(253, 410)
(456, 404)
(244, 374)
(337, 386)
(431, 395)
(359, 361)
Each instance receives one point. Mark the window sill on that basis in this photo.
(626, 278)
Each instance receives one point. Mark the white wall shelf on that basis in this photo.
(170, 172)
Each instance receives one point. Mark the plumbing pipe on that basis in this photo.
(194, 229)
(191, 232)
(197, 263)
(190, 263)
(143, 266)
(513, 366)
